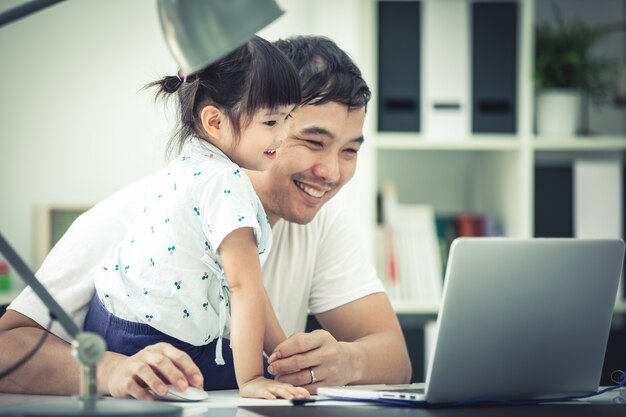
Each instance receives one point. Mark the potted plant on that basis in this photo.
(566, 74)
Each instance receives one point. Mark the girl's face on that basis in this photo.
(260, 139)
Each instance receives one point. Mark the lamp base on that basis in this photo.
(107, 407)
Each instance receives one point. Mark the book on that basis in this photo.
(413, 245)
(464, 224)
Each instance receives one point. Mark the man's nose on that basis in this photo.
(327, 167)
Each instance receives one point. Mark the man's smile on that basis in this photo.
(312, 190)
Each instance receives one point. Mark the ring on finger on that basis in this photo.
(313, 378)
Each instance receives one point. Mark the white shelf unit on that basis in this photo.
(489, 174)
(7, 297)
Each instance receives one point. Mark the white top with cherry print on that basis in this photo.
(166, 271)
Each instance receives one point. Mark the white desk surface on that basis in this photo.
(230, 399)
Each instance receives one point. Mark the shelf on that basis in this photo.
(407, 307)
(582, 143)
(415, 141)
(414, 307)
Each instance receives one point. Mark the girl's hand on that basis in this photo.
(269, 389)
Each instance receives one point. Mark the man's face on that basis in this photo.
(315, 161)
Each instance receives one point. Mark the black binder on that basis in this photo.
(399, 66)
(494, 67)
(554, 200)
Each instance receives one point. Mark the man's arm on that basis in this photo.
(66, 274)
(362, 344)
(53, 370)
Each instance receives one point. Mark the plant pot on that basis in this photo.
(558, 112)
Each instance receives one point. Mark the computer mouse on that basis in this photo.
(190, 394)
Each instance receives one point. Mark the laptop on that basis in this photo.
(519, 319)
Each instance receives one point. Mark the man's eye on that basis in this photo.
(352, 151)
(270, 122)
(315, 143)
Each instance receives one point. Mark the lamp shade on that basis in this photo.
(199, 32)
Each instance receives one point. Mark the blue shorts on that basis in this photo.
(127, 337)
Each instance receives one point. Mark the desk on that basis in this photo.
(229, 404)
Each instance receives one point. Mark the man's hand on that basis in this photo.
(152, 367)
(311, 360)
(351, 351)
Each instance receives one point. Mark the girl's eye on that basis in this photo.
(271, 123)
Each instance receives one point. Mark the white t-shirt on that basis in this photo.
(167, 272)
(312, 268)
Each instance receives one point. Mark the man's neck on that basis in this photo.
(256, 184)
(272, 218)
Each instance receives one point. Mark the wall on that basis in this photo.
(75, 125)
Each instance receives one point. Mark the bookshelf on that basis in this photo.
(488, 173)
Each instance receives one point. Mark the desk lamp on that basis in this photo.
(198, 33)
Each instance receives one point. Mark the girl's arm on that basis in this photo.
(249, 306)
(243, 273)
(274, 334)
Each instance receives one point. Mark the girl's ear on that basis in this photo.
(212, 117)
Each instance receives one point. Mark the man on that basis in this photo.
(316, 264)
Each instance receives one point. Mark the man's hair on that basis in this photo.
(327, 73)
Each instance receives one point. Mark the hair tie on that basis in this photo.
(184, 79)
(171, 84)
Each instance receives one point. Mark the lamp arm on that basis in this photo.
(55, 309)
(25, 9)
(87, 347)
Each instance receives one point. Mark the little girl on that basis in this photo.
(194, 253)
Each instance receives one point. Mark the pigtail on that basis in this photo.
(171, 84)
(167, 85)
(185, 88)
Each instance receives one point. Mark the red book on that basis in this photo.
(470, 224)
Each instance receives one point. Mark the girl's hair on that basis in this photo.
(326, 72)
(255, 76)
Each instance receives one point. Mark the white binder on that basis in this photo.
(446, 89)
(598, 199)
